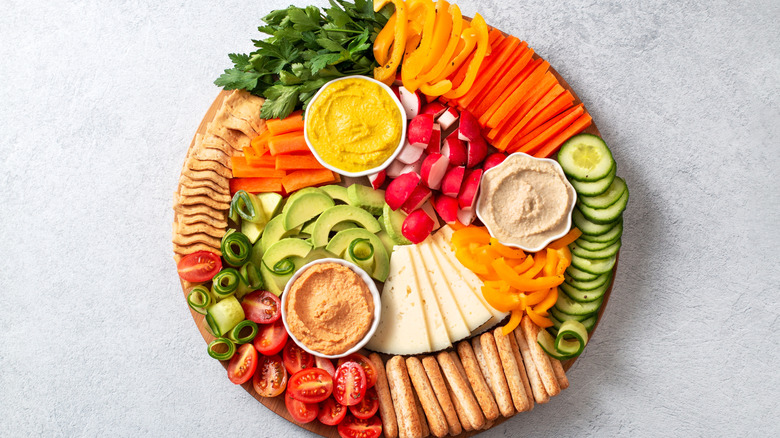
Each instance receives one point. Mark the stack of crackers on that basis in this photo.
(451, 392)
(202, 201)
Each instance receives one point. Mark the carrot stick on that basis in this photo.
(287, 143)
(499, 74)
(495, 37)
(517, 71)
(518, 95)
(488, 69)
(251, 156)
(306, 178)
(295, 162)
(505, 94)
(260, 143)
(256, 185)
(552, 146)
(560, 104)
(293, 122)
(242, 169)
(529, 142)
(534, 95)
(530, 108)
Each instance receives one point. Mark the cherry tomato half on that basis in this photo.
(367, 365)
(353, 427)
(270, 379)
(368, 406)
(331, 412)
(243, 364)
(300, 411)
(199, 266)
(325, 364)
(262, 307)
(311, 385)
(295, 359)
(270, 338)
(350, 384)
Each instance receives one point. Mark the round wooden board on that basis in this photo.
(276, 404)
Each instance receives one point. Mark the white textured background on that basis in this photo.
(99, 100)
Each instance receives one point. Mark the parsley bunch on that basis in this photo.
(306, 49)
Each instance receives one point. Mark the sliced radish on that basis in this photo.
(493, 160)
(394, 169)
(396, 91)
(448, 118)
(398, 81)
(455, 150)
(420, 130)
(447, 207)
(417, 226)
(434, 146)
(377, 179)
(409, 154)
(400, 189)
(412, 102)
(468, 193)
(468, 129)
(452, 181)
(428, 208)
(433, 169)
(477, 151)
(414, 167)
(434, 108)
(416, 199)
(466, 216)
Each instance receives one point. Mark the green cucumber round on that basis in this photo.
(601, 254)
(604, 200)
(585, 157)
(584, 296)
(597, 267)
(587, 285)
(579, 275)
(560, 316)
(592, 246)
(589, 227)
(571, 307)
(594, 188)
(609, 237)
(605, 215)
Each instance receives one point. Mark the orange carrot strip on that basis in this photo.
(495, 36)
(576, 127)
(566, 240)
(488, 70)
(518, 95)
(287, 143)
(530, 108)
(242, 169)
(506, 68)
(251, 157)
(291, 123)
(306, 178)
(561, 103)
(260, 143)
(256, 185)
(507, 125)
(537, 137)
(516, 73)
(530, 76)
(295, 162)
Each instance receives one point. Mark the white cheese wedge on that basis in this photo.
(402, 327)
(437, 325)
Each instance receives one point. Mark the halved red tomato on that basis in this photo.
(199, 266)
(367, 365)
(331, 412)
(270, 379)
(350, 384)
(325, 364)
(262, 307)
(300, 411)
(295, 359)
(271, 338)
(311, 385)
(353, 427)
(368, 406)
(243, 364)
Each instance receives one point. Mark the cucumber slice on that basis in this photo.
(588, 227)
(606, 215)
(604, 200)
(594, 188)
(585, 157)
(579, 275)
(568, 342)
(602, 254)
(610, 236)
(224, 315)
(590, 323)
(587, 285)
(560, 316)
(593, 246)
(597, 267)
(584, 296)
(571, 307)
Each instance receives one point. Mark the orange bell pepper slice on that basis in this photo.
(465, 258)
(415, 62)
(538, 319)
(478, 23)
(470, 234)
(525, 265)
(506, 251)
(536, 297)
(539, 261)
(384, 41)
(552, 262)
(522, 283)
(388, 69)
(514, 321)
(548, 302)
(469, 41)
(449, 51)
(566, 240)
(503, 302)
(442, 30)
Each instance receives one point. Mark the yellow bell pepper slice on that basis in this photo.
(514, 321)
(552, 262)
(503, 302)
(564, 241)
(470, 234)
(539, 261)
(469, 262)
(388, 69)
(522, 283)
(526, 265)
(478, 23)
(537, 297)
(384, 41)
(548, 302)
(469, 42)
(538, 319)
(442, 29)
(436, 89)
(449, 51)
(413, 63)
(505, 251)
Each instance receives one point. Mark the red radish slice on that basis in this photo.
(398, 80)
(396, 92)
(394, 169)
(477, 151)
(447, 208)
(468, 193)
(377, 179)
(455, 150)
(466, 216)
(428, 208)
(409, 154)
(434, 108)
(448, 118)
(420, 130)
(433, 169)
(400, 189)
(416, 199)
(452, 181)
(493, 160)
(417, 226)
(434, 146)
(468, 129)
(414, 167)
(412, 102)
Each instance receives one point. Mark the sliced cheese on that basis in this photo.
(437, 326)
(402, 326)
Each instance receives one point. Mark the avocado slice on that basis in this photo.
(274, 231)
(386, 240)
(373, 201)
(270, 203)
(300, 192)
(340, 242)
(305, 207)
(341, 213)
(338, 193)
(392, 221)
(285, 249)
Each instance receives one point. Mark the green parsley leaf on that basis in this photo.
(280, 101)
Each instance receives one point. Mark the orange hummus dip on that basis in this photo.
(329, 308)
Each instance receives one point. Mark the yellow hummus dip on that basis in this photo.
(354, 124)
(329, 308)
(525, 201)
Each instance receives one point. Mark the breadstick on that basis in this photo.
(496, 370)
(439, 387)
(459, 409)
(540, 394)
(403, 398)
(386, 411)
(477, 381)
(421, 415)
(531, 330)
(461, 389)
(437, 423)
(476, 346)
(511, 371)
(560, 374)
(523, 374)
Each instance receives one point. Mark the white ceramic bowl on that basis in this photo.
(569, 188)
(389, 159)
(371, 287)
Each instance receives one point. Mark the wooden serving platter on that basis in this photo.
(276, 404)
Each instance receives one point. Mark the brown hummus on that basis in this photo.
(525, 201)
(329, 308)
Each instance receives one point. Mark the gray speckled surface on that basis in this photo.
(100, 100)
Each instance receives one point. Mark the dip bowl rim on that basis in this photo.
(371, 287)
(553, 238)
(384, 164)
